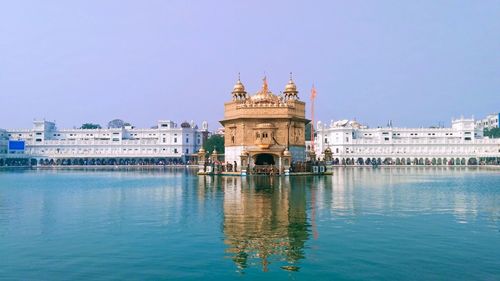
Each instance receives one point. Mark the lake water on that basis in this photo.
(359, 224)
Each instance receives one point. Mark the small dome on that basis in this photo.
(202, 150)
(287, 153)
(328, 150)
(185, 124)
(239, 87)
(290, 88)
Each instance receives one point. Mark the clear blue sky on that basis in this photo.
(415, 62)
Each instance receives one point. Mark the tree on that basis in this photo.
(214, 142)
(116, 124)
(90, 126)
(492, 133)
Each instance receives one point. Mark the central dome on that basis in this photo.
(264, 95)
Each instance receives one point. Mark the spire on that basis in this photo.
(265, 87)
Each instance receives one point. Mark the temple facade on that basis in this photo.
(264, 129)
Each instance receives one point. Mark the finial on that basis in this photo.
(291, 76)
(265, 87)
(238, 76)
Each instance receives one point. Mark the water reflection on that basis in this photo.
(265, 222)
(357, 221)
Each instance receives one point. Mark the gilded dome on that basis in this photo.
(264, 98)
(239, 87)
(290, 87)
(264, 95)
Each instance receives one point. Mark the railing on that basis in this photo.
(423, 142)
(103, 142)
(265, 169)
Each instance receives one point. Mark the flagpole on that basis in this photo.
(313, 97)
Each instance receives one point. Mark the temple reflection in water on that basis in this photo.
(269, 222)
(265, 221)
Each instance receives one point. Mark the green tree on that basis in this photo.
(214, 141)
(492, 133)
(116, 124)
(90, 126)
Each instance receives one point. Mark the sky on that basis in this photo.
(417, 63)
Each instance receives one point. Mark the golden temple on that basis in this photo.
(264, 132)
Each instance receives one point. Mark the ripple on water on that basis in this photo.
(357, 224)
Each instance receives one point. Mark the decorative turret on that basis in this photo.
(201, 156)
(215, 156)
(291, 90)
(239, 92)
(328, 154)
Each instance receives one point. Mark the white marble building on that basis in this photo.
(351, 143)
(3, 142)
(490, 121)
(165, 143)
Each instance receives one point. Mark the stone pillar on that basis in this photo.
(286, 161)
(244, 163)
(280, 165)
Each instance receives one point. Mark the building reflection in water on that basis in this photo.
(265, 222)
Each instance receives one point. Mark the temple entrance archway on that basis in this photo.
(264, 159)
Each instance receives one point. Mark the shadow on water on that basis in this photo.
(265, 220)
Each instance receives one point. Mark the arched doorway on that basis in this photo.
(264, 159)
(472, 161)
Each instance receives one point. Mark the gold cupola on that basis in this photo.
(239, 92)
(291, 89)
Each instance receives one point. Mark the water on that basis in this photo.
(359, 224)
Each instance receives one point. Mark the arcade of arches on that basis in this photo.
(417, 161)
(91, 161)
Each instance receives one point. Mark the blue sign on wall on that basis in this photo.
(16, 145)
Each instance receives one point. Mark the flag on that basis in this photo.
(313, 93)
